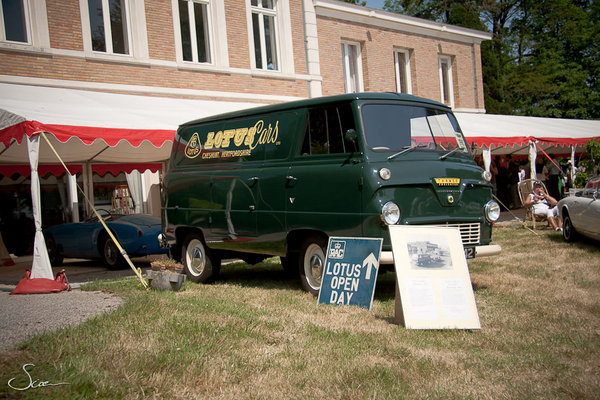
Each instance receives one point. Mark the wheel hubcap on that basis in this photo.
(196, 258)
(314, 266)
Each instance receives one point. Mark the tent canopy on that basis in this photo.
(108, 128)
(511, 134)
(94, 127)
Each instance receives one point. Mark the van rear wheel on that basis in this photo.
(199, 264)
(312, 264)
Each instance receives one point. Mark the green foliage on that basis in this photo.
(592, 150)
(357, 2)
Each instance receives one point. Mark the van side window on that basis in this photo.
(325, 130)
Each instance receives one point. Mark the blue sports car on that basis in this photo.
(137, 234)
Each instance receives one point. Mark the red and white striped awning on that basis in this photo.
(511, 134)
(113, 132)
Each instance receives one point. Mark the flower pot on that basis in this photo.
(165, 280)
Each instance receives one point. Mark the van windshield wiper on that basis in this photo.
(406, 149)
(449, 153)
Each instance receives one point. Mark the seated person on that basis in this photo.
(540, 204)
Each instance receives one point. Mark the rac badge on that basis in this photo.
(450, 199)
(447, 181)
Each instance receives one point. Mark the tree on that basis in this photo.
(357, 2)
(543, 59)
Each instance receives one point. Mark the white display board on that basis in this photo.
(434, 285)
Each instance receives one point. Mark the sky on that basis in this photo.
(375, 3)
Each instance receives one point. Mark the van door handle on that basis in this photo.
(291, 180)
(252, 181)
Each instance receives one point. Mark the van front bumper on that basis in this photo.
(387, 257)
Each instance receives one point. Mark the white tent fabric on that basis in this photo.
(40, 268)
(511, 134)
(60, 106)
(70, 112)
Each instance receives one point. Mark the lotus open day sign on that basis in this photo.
(350, 271)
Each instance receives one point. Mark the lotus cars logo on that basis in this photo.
(193, 147)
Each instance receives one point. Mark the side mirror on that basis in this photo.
(351, 136)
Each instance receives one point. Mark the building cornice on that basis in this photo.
(148, 90)
(398, 22)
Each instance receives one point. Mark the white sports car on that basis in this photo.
(581, 213)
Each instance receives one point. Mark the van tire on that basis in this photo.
(311, 262)
(199, 264)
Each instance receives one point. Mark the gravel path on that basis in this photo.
(22, 316)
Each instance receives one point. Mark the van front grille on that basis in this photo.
(469, 232)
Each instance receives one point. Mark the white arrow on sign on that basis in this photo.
(370, 262)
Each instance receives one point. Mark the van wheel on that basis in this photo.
(200, 266)
(312, 263)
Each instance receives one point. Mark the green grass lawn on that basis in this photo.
(254, 334)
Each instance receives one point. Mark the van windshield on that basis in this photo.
(397, 127)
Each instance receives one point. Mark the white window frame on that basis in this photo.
(87, 32)
(275, 13)
(193, 37)
(217, 32)
(352, 85)
(402, 69)
(446, 77)
(27, 17)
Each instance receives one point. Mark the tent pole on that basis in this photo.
(40, 267)
(88, 188)
(572, 177)
(532, 158)
(486, 154)
(72, 196)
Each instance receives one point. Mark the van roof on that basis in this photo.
(316, 102)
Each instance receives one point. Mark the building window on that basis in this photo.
(446, 90)
(352, 64)
(402, 67)
(15, 21)
(109, 26)
(195, 37)
(264, 32)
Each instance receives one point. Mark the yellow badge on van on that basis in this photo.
(193, 147)
(447, 181)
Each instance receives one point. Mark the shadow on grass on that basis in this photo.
(580, 242)
(266, 275)
(270, 275)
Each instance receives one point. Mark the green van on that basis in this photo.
(279, 180)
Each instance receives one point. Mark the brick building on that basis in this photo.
(237, 50)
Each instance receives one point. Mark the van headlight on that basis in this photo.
(390, 213)
(492, 211)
